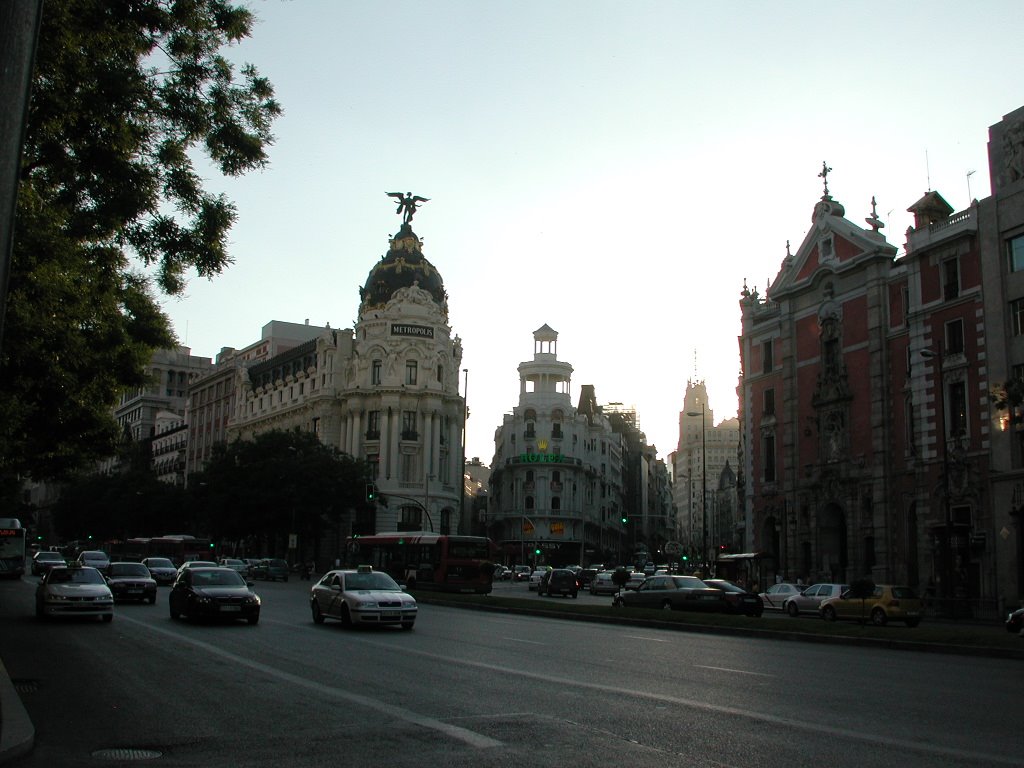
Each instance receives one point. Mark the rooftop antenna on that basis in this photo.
(969, 174)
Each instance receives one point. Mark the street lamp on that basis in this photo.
(940, 406)
(703, 486)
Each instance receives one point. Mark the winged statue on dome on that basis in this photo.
(407, 204)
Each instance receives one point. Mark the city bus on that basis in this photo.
(430, 561)
(12, 548)
(178, 549)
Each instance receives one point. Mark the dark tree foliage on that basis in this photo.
(111, 211)
(275, 484)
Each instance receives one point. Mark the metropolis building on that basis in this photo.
(386, 391)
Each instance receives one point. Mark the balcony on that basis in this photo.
(410, 434)
(962, 223)
(373, 434)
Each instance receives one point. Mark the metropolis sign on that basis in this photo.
(404, 329)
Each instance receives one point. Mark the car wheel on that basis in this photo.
(792, 610)
(828, 613)
(878, 617)
(346, 617)
(318, 615)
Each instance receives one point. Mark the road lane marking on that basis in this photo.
(518, 640)
(737, 671)
(650, 639)
(464, 735)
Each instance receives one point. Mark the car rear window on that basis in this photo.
(904, 593)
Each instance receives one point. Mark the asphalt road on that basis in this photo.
(469, 688)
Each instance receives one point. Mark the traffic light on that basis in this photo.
(536, 551)
(371, 492)
(625, 519)
(685, 558)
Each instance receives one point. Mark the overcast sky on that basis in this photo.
(616, 170)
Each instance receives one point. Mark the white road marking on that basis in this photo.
(737, 671)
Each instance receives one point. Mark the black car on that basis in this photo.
(676, 593)
(213, 593)
(559, 581)
(131, 581)
(738, 599)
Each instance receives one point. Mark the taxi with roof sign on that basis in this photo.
(362, 596)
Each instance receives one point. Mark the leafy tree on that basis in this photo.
(111, 211)
(275, 484)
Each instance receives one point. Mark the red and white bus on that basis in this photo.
(429, 561)
(12, 548)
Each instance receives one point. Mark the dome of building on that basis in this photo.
(404, 266)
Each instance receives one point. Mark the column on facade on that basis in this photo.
(395, 425)
(428, 444)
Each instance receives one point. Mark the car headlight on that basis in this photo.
(203, 600)
(364, 603)
(55, 596)
(252, 600)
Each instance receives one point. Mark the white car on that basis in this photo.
(535, 578)
(809, 600)
(94, 558)
(74, 591)
(362, 596)
(776, 595)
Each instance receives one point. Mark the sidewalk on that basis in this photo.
(17, 734)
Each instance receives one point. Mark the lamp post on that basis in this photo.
(705, 567)
(947, 546)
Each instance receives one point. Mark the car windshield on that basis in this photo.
(159, 562)
(93, 556)
(277, 564)
(375, 580)
(49, 556)
(214, 578)
(75, 576)
(129, 569)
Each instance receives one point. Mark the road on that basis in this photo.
(468, 688)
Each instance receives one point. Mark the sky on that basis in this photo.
(616, 170)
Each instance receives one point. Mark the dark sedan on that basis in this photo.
(161, 569)
(213, 593)
(131, 581)
(676, 593)
(739, 600)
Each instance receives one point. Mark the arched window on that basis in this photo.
(529, 502)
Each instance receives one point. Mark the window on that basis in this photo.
(373, 425)
(957, 409)
(769, 402)
(410, 371)
(408, 425)
(375, 367)
(1015, 252)
(951, 278)
(556, 503)
(955, 337)
(440, 372)
(769, 458)
(767, 357)
(1017, 316)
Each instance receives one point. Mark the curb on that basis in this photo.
(17, 734)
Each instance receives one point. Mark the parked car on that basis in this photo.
(775, 596)
(502, 573)
(213, 593)
(271, 569)
(362, 596)
(161, 569)
(810, 599)
(887, 603)
(677, 593)
(521, 573)
(535, 578)
(1015, 621)
(74, 590)
(94, 558)
(738, 599)
(560, 581)
(602, 584)
(44, 560)
(131, 581)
